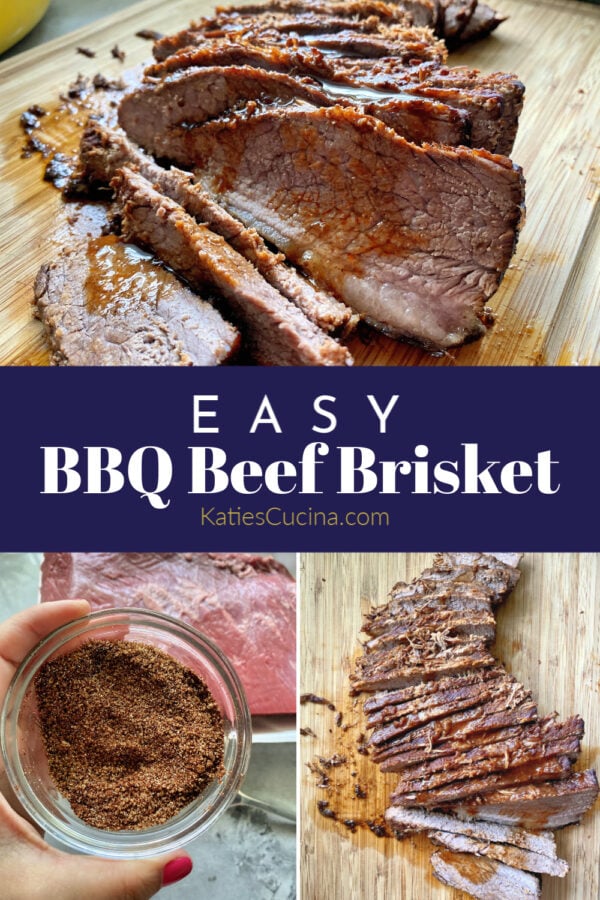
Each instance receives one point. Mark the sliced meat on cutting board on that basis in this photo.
(275, 330)
(415, 239)
(106, 303)
(104, 151)
(245, 603)
(486, 879)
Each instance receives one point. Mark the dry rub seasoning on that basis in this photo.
(131, 735)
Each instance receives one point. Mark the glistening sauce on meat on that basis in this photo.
(119, 273)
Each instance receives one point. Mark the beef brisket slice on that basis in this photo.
(423, 101)
(411, 603)
(415, 755)
(529, 744)
(407, 821)
(454, 730)
(103, 151)
(244, 602)
(485, 879)
(197, 94)
(275, 330)
(549, 769)
(512, 856)
(106, 304)
(416, 239)
(383, 699)
(551, 805)
(462, 658)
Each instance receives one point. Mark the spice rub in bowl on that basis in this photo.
(131, 735)
(125, 734)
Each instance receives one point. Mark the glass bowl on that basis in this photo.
(25, 757)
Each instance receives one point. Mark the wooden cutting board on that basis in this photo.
(548, 307)
(548, 634)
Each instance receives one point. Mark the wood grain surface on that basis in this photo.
(548, 307)
(548, 637)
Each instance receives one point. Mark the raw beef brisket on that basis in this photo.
(245, 603)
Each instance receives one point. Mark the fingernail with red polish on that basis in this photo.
(176, 869)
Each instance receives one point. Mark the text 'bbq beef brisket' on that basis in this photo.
(244, 602)
(479, 772)
(415, 239)
(106, 304)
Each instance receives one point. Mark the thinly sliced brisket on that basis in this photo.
(481, 722)
(417, 13)
(536, 806)
(485, 879)
(453, 20)
(364, 38)
(409, 258)
(469, 746)
(103, 151)
(528, 744)
(553, 767)
(408, 821)
(479, 622)
(382, 699)
(411, 603)
(449, 748)
(102, 304)
(456, 104)
(199, 93)
(398, 720)
(527, 860)
(275, 330)
(496, 576)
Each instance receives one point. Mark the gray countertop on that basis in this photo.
(248, 853)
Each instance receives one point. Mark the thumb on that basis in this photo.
(73, 877)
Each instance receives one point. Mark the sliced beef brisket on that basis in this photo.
(275, 330)
(473, 725)
(453, 20)
(549, 769)
(199, 93)
(527, 860)
(105, 304)
(551, 805)
(103, 151)
(452, 105)
(407, 821)
(485, 879)
(467, 745)
(400, 258)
